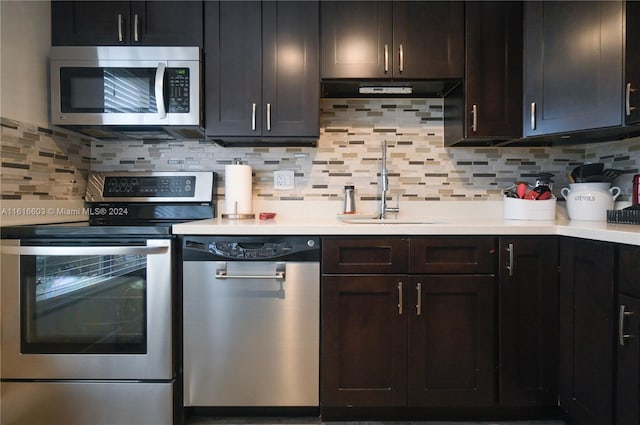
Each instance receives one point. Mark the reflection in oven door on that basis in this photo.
(94, 319)
(88, 304)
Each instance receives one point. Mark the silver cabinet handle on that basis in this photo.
(120, 35)
(474, 118)
(280, 273)
(162, 112)
(621, 315)
(533, 115)
(83, 250)
(253, 117)
(419, 303)
(135, 28)
(400, 298)
(268, 117)
(509, 265)
(628, 108)
(386, 58)
(401, 54)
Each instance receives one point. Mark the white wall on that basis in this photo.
(25, 40)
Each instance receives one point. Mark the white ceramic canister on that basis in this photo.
(589, 201)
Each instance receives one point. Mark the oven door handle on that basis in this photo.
(84, 250)
(221, 273)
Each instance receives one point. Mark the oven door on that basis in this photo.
(86, 310)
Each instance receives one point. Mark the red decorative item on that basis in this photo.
(266, 215)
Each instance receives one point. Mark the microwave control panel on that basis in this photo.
(178, 87)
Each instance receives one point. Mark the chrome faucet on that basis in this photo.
(384, 186)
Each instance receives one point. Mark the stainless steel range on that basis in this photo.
(88, 308)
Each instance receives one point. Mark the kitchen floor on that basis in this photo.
(312, 420)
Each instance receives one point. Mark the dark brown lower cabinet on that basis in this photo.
(586, 331)
(451, 340)
(364, 341)
(528, 325)
(408, 339)
(628, 337)
(628, 383)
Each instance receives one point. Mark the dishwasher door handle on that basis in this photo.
(280, 273)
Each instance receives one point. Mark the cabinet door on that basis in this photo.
(428, 39)
(632, 63)
(628, 337)
(291, 69)
(528, 321)
(452, 255)
(233, 54)
(166, 23)
(356, 39)
(451, 340)
(90, 23)
(493, 78)
(364, 255)
(628, 384)
(586, 331)
(364, 341)
(573, 66)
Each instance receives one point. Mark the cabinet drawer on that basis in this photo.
(629, 270)
(457, 255)
(364, 255)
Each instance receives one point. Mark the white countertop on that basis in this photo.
(445, 218)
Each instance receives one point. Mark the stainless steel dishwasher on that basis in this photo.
(251, 317)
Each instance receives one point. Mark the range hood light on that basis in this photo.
(385, 90)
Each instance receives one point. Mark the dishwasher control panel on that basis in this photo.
(265, 250)
(243, 248)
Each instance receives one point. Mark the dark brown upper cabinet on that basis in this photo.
(402, 40)
(632, 63)
(113, 23)
(262, 72)
(487, 108)
(573, 68)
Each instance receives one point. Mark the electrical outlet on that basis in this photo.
(283, 179)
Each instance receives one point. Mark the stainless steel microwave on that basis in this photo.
(135, 90)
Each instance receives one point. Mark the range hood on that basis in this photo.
(347, 88)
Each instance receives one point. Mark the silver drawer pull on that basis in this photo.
(627, 104)
(622, 314)
(280, 273)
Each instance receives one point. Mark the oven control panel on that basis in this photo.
(151, 187)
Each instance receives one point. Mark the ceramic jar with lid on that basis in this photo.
(589, 201)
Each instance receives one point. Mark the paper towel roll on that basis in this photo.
(237, 189)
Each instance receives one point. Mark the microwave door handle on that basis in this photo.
(83, 250)
(162, 112)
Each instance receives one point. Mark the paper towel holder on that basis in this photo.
(235, 215)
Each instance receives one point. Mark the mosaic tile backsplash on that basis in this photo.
(41, 163)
